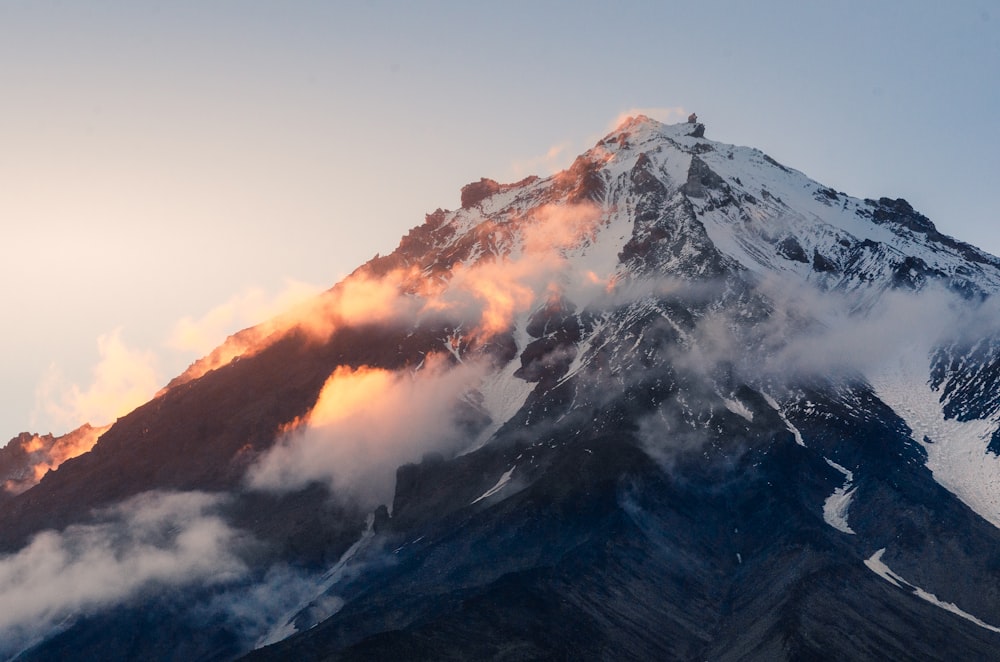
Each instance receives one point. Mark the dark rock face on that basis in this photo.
(700, 178)
(476, 192)
(823, 264)
(790, 247)
(900, 212)
(675, 565)
(586, 182)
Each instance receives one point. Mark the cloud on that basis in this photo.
(249, 307)
(554, 159)
(358, 299)
(170, 539)
(491, 293)
(809, 333)
(825, 334)
(123, 379)
(366, 423)
(665, 114)
(255, 609)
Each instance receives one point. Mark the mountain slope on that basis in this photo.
(678, 401)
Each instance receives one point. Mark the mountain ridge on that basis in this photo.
(681, 398)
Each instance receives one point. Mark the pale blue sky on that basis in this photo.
(158, 159)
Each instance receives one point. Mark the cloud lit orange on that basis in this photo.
(123, 379)
(365, 423)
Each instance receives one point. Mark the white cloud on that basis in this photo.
(166, 538)
(665, 114)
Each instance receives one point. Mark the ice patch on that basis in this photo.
(836, 505)
(502, 483)
(876, 565)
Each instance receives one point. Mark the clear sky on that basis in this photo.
(163, 161)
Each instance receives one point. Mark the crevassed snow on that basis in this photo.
(836, 505)
(956, 450)
(876, 565)
(502, 483)
(791, 428)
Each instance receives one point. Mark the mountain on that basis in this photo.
(678, 401)
(28, 457)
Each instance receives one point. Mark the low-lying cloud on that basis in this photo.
(155, 539)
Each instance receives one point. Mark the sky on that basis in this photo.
(173, 172)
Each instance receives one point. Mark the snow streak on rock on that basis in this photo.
(876, 565)
(836, 505)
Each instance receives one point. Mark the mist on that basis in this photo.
(152, 541)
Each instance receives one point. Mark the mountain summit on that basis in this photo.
(678, 401)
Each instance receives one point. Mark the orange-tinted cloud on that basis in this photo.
(365, 423)
(204, 334)
(123, 379)
(491, 293)
(358, 299)
(556, 228)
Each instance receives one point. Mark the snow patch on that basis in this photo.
(791, 428)
(956, 450)
(503, 395)
(836, 505)
(876, 565)
(502, 483)
(738, 408)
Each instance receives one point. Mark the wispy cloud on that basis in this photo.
(123, 379)
(555, 158)
(170, 539)
(665, 114)
(203, 334)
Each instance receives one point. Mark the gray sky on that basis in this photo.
(204, 161)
